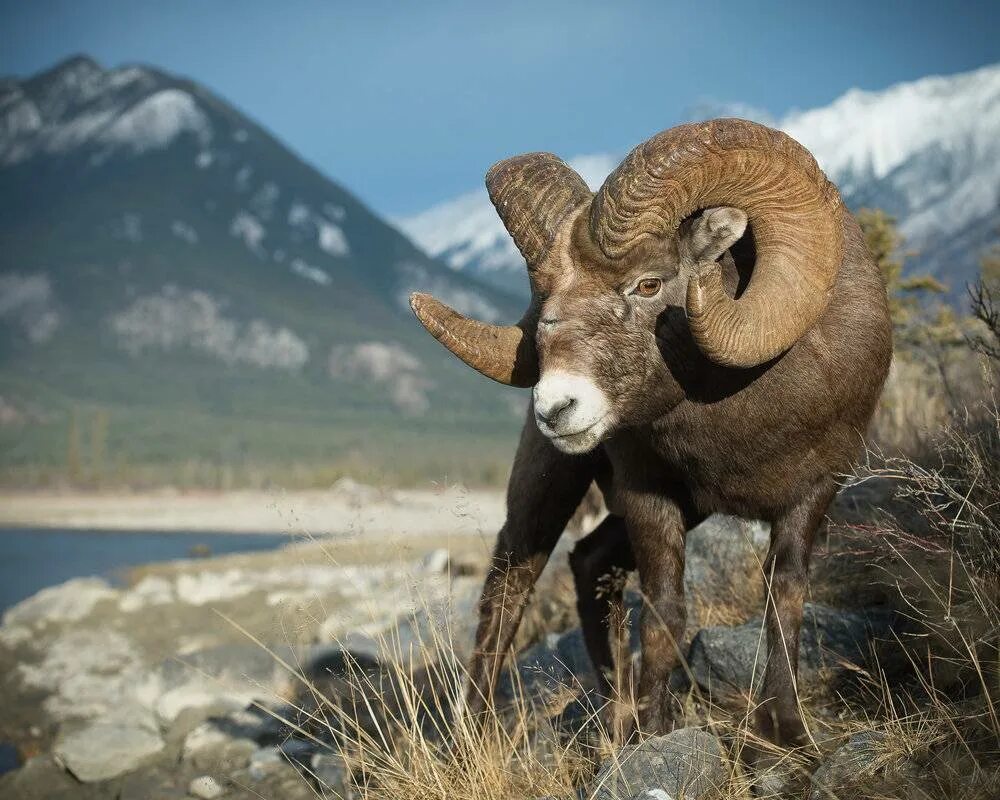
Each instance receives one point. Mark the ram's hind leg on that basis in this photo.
(544, 490)
(786, 575)
(600, 563)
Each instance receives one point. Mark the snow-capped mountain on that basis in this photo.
(162, 254)
(927, 151)
(467, 233)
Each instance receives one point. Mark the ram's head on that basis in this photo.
(620, 277)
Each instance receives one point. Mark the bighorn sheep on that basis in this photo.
(686, 367)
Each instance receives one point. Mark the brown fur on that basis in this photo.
(691, 438)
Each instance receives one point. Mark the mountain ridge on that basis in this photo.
(926, 151)
(164, 256)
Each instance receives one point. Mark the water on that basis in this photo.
(33, 558)
(9, 758)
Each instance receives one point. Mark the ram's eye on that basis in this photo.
(648, 287)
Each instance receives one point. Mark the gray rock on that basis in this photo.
(689, 763)
(721, 548)
(68, 602)
(145, 784)
(561, 661)
(331, 774)
(772, 782)
(439, 628)
(243, 664)
(87, 672)
(557, 662)
(854, 766)
(298, 752)
(107, 748)
(206, 787)
(724, 658)
(41, 778)
(437, 561)
(652, 794)
(210, 746)
(264, 762)
(226, 677)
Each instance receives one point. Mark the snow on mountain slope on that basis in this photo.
(467, 233)
(145, 221)
(79, 103)
(927, 151)
(78, 118)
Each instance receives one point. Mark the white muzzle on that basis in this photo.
(571, 410)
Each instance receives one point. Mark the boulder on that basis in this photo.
(440, 627)
(225, 678)
(722, 548)
(443, 562)
(41, 778)
(856, 766)
(725, 658)
(264, 762)
(437, 561)
(557, 662)
(210, 746)
(87, 673)
(68, 602)
(205, 787)
(152, 590)
(107, 748)
(331, 774)
(688, 763)
(298, 752)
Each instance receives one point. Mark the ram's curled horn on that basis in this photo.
(533, 194)
(793, 210)
(505, 353)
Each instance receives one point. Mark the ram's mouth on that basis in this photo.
(571, 434)
(581, 440)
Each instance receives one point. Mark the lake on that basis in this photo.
(33, 558)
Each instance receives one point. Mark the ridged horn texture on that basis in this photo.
(794, 211)
(533, 194)
(505, 353)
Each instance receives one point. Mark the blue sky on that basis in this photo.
(408, 103)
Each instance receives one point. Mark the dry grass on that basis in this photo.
(401, 730)
(919, 532)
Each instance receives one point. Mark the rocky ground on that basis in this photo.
(194, 680)
(106, 691)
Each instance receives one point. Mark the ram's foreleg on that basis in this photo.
(544, 490)
(600, 564)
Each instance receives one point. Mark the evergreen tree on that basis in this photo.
(908, 295)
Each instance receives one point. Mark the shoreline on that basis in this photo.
(347, 509)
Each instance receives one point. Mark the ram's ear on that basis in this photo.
(709, 235)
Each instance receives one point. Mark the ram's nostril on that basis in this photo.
(550, 414)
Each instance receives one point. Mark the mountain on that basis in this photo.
(468, 235)
(927, 151)
(169, 267)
